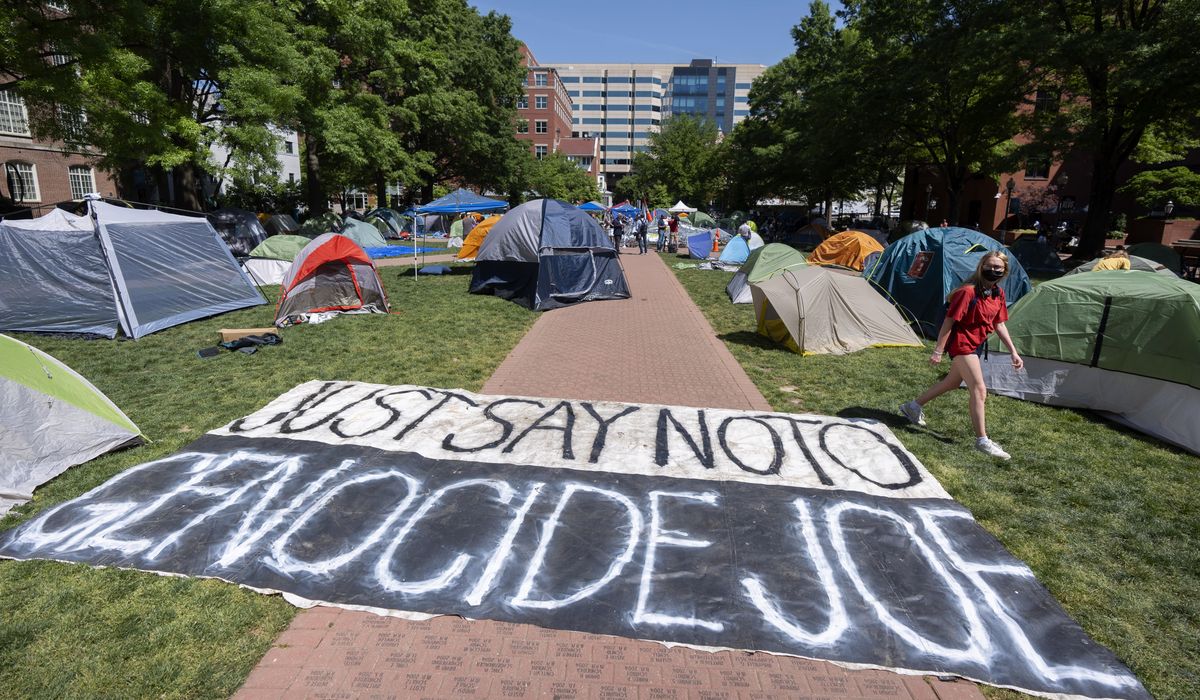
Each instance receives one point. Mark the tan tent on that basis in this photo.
(817, 311)
(847, 249)
(470, 245)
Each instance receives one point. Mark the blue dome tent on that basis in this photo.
(918, 272)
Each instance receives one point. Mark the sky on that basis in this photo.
(650, 31)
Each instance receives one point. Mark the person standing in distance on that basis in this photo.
(976, 309)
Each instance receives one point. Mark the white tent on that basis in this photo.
(681, 208)
(134, 269)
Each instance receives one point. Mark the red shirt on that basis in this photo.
(973, 323)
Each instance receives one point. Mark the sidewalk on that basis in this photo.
(655, 347)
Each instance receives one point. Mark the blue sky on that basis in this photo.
(624, 31)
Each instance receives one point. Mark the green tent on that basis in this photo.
(701, 220)
(325, 223)
(762, 264)
(364, 234)
(51, 419)
(1117, 341)
(282, 247)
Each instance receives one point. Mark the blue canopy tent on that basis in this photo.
(700, 244)
(627, 209)
(592, 207)
(461, 201)
(918, 272)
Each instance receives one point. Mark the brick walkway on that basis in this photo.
(633, 350)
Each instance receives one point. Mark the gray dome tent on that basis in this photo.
(546, 254)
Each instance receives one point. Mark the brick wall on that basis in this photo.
(51, 169)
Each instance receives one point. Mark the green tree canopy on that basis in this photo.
(683, 159)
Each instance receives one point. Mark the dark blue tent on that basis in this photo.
(460, 201)
(700, 244)
(918, 272)
(546, 254)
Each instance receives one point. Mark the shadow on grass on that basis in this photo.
(894, 421)
(752, 339)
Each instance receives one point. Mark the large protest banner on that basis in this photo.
(799, 534)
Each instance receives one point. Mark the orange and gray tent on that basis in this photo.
(332, 275)
(51, 419)
(819, 311)
(470, 246)
(847, 249)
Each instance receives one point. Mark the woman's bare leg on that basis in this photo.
(972, 374)
(950, 382)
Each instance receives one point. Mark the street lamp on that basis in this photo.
(1169, 208)
(928, 200)
(1008, 188)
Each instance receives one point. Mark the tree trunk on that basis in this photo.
(381, 198)
(314, 190)
(1100, 199)
(187, 187)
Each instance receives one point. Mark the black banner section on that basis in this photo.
(896, 583)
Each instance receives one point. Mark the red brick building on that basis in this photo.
(38, 174)
(544, 117)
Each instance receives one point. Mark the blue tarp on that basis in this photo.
(460, 201)
(736, 251)
(918, 272)
(392, 251)
(700, 245)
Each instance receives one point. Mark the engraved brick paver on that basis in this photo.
(629, 350)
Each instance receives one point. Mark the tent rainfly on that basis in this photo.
(815, 311)
(137, 270)
(1115, 341)
(848, 249)
(271, 260)
(762, 264)
(461, 201)
(51, 419)
(592, 207)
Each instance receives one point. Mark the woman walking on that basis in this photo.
(975, 310)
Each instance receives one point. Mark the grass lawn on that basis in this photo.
(1107, 518)
(77, 631)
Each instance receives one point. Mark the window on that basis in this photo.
(569, 79)
(356, 200)
(523, 102)
(1039, 168)
(72, 120)
(22, 182)
(82, 182)
(13, 117)
(539, 102)
(539, 79)
(539, 151)
(1045, 102)
(288, 147)
(539, 126)
(292, 178)
(522, 126)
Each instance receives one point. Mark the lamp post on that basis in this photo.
(1008, 189)
(1062, 185)
(1169, 209)
(928, 200)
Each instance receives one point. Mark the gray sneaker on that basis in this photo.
(912, 411)
(990, 448)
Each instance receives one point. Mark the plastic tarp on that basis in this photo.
(53, 278)
(240, 229)
(918, 272)
(1119, 320)
(51, 419)
(545, 254)
(169, 269)
(364, 234)
(460, 201)
(848, 249)
(817, 311)
(700, 244)
(1036, 256)
(736, 251)
(762, 264)
(1135, 263)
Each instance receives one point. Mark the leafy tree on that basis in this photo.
(1126, 70)
(683, 158)
(557, 177)
(1154, 188)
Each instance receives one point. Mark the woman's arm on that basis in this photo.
(943, 337)
(1002, 331)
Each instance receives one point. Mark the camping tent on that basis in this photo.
(51, 419)
(281, 223)
(847, 249)
(918, 272)
(736, 251)
(703, 220)
(392, 218)
(1135, 263)
(1111, 341)
(681, 208)
(460, 201)
(814, 311)
(762, 264)
(471, 243)
(545, 254)
(271, 260)
(240, 229)
(1159, 253)
(134, 269)
(700, 244)
(1036, 256)
(809, 236)
(364, 234)
(331, 275)
(319, 225)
